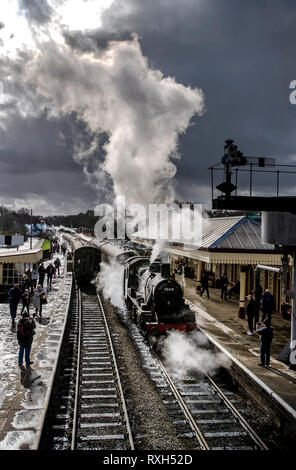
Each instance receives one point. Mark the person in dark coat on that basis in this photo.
(234, 289)
(50, 272)
(204, 281)
(57, 264)
(251, 311)
(268, 305)
(25, 333)
(42, 272)
(265, 330)
(14, 295)
(224, 284)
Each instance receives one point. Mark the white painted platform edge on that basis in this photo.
(39, 429)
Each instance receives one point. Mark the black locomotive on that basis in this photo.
(154, 299)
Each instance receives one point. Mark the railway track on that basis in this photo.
(214, 415)
(202, 408)
(90, 411)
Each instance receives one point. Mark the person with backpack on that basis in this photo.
(25, 333)
(265, 330)
(14, 295)
(38, 300)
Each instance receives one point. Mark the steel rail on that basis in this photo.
(128, 427)
(238, 415)
(76, 400)
(199, 435)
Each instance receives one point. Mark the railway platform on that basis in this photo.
(24, 394)
(218, 318)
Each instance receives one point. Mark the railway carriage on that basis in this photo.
(86, 258)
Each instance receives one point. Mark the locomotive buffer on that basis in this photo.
(278, 218)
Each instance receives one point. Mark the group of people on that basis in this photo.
(267, 305)
(31, 283)
(227, 288)
(56, 247)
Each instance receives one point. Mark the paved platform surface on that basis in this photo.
(219, 318)
(24, 393)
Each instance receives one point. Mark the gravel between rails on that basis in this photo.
(152, 426)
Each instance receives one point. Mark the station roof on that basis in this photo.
(234, 240)
(236, 233)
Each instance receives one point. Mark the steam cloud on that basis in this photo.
(187, 353)
(110, 280)
(115, 92)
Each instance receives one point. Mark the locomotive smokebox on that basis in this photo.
(279, 228)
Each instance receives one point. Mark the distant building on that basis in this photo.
(11, 240)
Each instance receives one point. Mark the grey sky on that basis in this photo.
(240, 54)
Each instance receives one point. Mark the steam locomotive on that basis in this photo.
(153, 298)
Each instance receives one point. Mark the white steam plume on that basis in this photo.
(110, 280)
(187, 353)
(116, 92)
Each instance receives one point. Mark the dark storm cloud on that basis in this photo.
(38, 11)
(241, 54)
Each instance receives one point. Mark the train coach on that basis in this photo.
(86, 258)
(114, 252)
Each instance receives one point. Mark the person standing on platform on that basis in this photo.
(24, 283)
(50, 272)
(251, 311)
(42, 272)
(26, 301)
(268, 305)
(37, 300)
(265, 330)
(224, 284)
(14, 295)
(25, 333)
(34, 276)
(57, 264)
(204, 281)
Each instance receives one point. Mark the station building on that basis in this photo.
(14, 262)
(230, 245)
